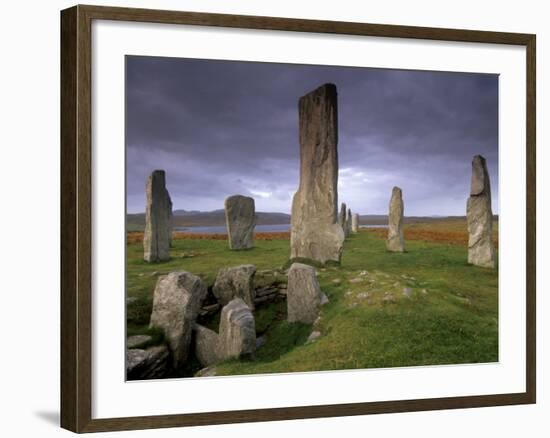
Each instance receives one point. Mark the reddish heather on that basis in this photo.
(427, 235)
(424, 233)
(137, 236)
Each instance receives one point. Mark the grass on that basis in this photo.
(426, 306)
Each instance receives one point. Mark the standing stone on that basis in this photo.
(240, 219)
(176, 304)
(235, 282)
(315, 233)
(355, 223)
(481, 251)
(342, 216)
(158, 218)
(237, 336)
(304, 295)
(348, 223)
(396, 241)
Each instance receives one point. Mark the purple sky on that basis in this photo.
(220, 128)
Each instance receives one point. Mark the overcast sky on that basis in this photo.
(220, 128)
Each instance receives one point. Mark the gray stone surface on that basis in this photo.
(158, 219)
(237, 281)
(304, 296)
(396, 240)
(237, 337)
(481, 250)
(176, 303)
(315, 232)
(137, 340)
(355, 223)
(240, 220)
(152, 363)
(342, 216)
(348, 223)
(206, 346)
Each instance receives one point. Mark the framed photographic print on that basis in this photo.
(268, 218)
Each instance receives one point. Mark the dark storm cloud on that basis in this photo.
(220, 128)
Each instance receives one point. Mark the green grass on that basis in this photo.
(450, 317)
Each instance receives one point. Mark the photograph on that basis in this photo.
(286, 218)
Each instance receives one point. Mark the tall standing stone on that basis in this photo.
(176, 304)
(240, 219)
(396, 241)
(355, 223)
(481, 251)
(315, 232)
(158, 218)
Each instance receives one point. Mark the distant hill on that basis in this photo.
(195, 218)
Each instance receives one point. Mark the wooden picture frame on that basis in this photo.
(76, 217)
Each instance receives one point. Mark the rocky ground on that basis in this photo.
(425, 306)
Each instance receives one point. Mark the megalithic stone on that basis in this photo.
(315, 232)
(158, 219)
(481, 251)
(240, 219)
(396, 240)
(342, 216)
(348, 223)
(355, 223)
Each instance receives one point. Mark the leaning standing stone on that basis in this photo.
(481, 251)
(315, 232)
(176, 303)
(235, 282)
(355, 223)
(240, 219)
(396, 241)
(237, 336)
(304, 296)
(158, 218)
